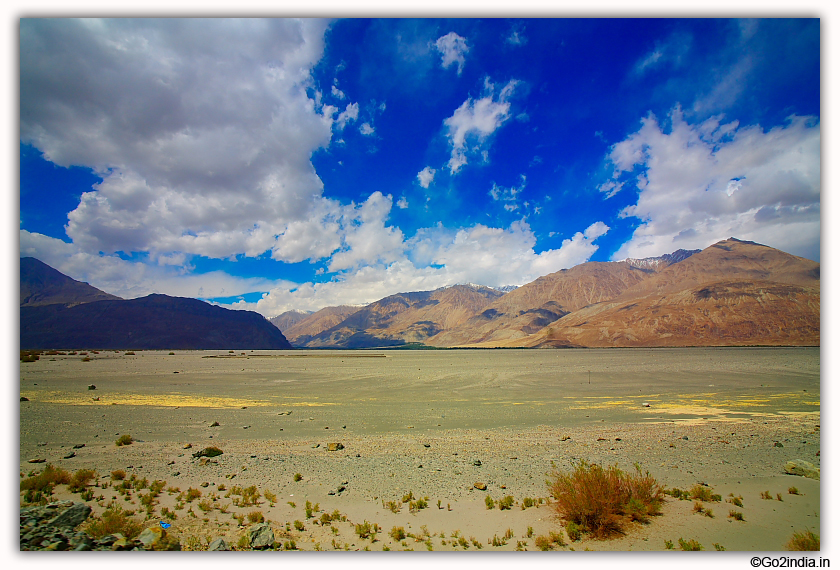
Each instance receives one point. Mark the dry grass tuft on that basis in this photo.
(113, 520)
(601, 501)
(804, 541)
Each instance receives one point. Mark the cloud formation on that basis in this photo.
(201, 130)
(426, 176)
(475, 121)
(453, 49)
(701, 183)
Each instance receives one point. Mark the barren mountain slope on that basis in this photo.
(285, 321)
(529, 308)
(406, 317)
(732, 293)
(317, 322)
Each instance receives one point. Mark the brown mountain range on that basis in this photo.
(405, 318)
(731, 293)
(300, 330)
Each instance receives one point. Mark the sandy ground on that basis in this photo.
(434, 423)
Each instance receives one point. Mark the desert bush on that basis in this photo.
(270, 497)
(689, 544)
(124, 440)
(573, 530)
(113, 520)
(393, 506)
(298, 477)
(804, 541)
(397, 533)
(489, 502)
(418, 505)
(46, 480)
(599, 500)
(738, 516)
(256, 517)
(505, 503)
(205, 505)
(766, 495)
(737, 501)
(367, 530)
(191, 494)
(117, 475)
(793, 491)
(543, 543)
(701, 493)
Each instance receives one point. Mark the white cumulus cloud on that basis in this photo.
(701, 183)
(453, 49)
(426, 176)
(475, 121)
(201, 130)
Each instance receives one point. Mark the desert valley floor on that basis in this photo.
(434, 423)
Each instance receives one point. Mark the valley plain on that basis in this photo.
(434, 423)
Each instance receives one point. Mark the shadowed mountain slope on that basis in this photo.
(40, 284)
(75, 319)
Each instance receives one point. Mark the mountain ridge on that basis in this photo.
(733, 292)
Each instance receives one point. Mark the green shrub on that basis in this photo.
(117, 475)
(505, 503)
(366, 530)
(689, 544)
(488, 500)
(124, 440)
(397, 533)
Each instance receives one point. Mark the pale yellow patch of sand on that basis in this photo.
(156, 400)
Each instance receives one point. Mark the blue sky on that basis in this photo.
(286, 164)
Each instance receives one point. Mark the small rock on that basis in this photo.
(218, 544)
(477, 462)
(427, 445)
(24, 399)
(91, 387)
(685, 437)
(176, 473)
(188, 446)
(778, 444)
(261, 536)
(70, 455)
(480, 486)
(214, 424)
(205, 484)
(37, 460)
(645, 405)
(802, 468)
(78, 446)
(335, 446)
(151, 537)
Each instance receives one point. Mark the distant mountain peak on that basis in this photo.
(660, 261)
